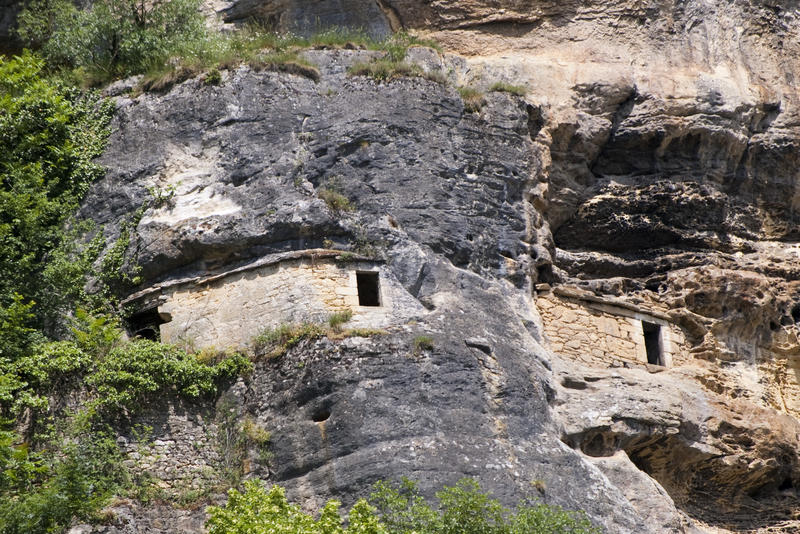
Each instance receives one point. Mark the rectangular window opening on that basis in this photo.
(145, 324)
(652, 343)
(369, 293)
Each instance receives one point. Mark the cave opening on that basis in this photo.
(321, 415)
(145, 324)
(652, 343)
(368, 288)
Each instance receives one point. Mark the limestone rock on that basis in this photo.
(648, 177)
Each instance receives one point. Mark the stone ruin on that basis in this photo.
(601, 331)
(227, 310)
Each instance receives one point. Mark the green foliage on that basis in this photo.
(167, 41)
(41, 492)
(422, 343)
(473, 98)
(336, 202)
(135, 370)
(336, 320)
(213, 77)
(261, 511)
(48, 137)
(504, 87)
(112, 276)
(274, 342)
(398, 509)
(465, 509)
(111, 38)
(387, 69)
(402, 509)
(119, 375)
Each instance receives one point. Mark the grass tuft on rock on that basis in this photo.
(473, 98)
(387, 69)
(503, 87)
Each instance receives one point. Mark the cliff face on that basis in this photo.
(643, 189)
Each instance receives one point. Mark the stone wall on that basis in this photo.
(229, 310)
(604, 333)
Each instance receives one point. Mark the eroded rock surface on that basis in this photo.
(651, 165)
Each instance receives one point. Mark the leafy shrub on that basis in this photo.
(49, 135)
(142, 367)
(112, 38)
(262, 510)
(73, 478)
(119, 375)
(463, 509)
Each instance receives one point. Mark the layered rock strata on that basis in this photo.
(647, 179)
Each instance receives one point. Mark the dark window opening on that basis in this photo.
(369, 293)
(145, 324)
(652, 343)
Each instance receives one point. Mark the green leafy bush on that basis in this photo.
(41, 492)
(119, 375)
(259, 510)
(111, 38)
(392, 509)
(49, 135)
(131, 372)
(465, 509)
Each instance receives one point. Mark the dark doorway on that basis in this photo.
(652, 343)
(145, 324)
(369, 293)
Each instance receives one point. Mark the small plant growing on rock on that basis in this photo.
(473, 98)
(289, 62)
(259, 437)
(274, 342)
(504, 87)
(336, 320)
(213, 77)
(422, 343)
(387, 69)
(336, 202)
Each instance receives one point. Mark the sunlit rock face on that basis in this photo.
(641, 195)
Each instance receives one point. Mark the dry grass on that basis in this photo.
(504, 87)
(336, 202)
(473, 98)
(387, 69)
(275, 342)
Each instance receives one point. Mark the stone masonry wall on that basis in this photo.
(229, 311)
(603, 334)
